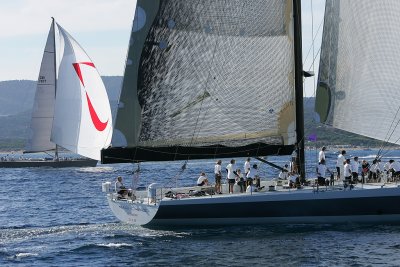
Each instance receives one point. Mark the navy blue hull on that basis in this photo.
(337, 207)
(309, 207)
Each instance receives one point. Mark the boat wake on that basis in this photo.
(107, 230)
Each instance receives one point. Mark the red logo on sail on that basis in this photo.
(98, 124)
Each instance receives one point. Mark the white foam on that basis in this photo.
(115, 245)
(25, 254)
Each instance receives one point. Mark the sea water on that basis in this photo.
(60, 217)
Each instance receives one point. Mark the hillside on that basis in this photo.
(16, 96)
(15, 113)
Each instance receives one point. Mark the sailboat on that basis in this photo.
(71, 108)
(207, 80)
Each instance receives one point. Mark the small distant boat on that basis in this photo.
(71, 107)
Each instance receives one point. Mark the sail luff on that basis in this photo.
(55, 75)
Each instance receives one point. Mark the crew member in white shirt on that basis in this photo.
(231, 168)
(347, 171)
(321, 155)
(120, 188)
(252, 174)
(218, 177)
(246, 166)
(374, 170)
(202, 180)
(354, 169)
(340, 165)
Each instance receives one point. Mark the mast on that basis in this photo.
(298, 62)
(55, 72)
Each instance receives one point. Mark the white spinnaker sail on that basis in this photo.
(43, 108)
(82, 118)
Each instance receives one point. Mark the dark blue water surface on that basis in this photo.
(59, 217)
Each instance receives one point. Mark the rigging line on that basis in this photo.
(387, 150)
(315, 57)
(313, 44)
(384, 144)
(312, 31)
(312, 66)
(390, 127)
(183, 168)
(314, 37)
(177, 176)
(135, 178)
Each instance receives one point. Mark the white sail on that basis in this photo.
(82, 118)
(43, 109)
(358, 89)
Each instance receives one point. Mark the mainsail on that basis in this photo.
(358, 81)
(206, 79)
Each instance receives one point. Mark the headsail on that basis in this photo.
(359, 79)
(43, 109)
(207, 78)
(82, 118)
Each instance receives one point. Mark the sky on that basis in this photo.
(102, 28)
